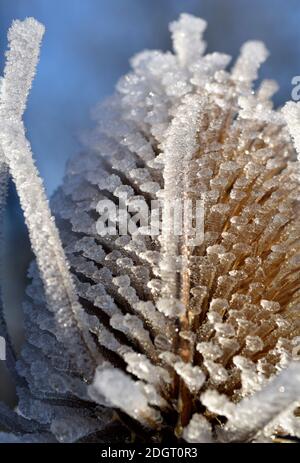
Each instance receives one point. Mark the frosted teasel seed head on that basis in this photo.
(189, 340)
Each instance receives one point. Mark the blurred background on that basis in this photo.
(86, 48)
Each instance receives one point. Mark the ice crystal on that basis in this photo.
(155, 333)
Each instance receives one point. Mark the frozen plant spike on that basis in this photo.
(192, 376)
(124, 393)
(187, 38)
(22, 56)
(279, 394)
(21, 59)
(13, 95)
(179, 147)
(253, 54)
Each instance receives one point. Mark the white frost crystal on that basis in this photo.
(122, 392)
(127, 331)
(192, 376)
(291, 111)
(198, 430)
(253, 54)
(187, 39)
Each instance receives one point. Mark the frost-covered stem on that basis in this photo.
(21, 59)
(25, 38)
(184, 399)
(180, 147)
(13, 96)
(59, 289)
(185, 346)
(254, 413)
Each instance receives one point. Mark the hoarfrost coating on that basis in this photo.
(149, 335)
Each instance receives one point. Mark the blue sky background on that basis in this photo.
(86, 49)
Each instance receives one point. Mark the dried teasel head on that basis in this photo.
(193, 339)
